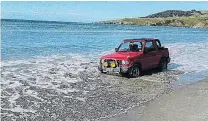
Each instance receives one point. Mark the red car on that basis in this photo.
(135, 55)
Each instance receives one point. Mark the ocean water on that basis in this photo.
(25, 40)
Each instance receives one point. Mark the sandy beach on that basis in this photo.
(185, 104)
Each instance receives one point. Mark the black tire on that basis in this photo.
(163, 65)
(122, 74)
(101, 71)
(134, 71)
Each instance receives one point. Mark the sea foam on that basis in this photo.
(191, 57)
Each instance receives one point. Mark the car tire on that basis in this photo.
(123, 74)
(101, 71)
(163, 65)
(134, 71)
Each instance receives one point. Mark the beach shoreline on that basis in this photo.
(187, 103)
(33, 90)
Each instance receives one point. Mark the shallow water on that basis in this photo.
(57, 88)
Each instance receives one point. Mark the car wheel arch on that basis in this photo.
(139, 65)
(163, 58)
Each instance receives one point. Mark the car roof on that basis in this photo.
(139, 40)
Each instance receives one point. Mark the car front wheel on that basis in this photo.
(134, 71)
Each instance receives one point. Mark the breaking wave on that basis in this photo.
(189, 57)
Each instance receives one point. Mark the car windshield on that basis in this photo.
(130, 47)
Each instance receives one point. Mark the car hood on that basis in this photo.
(121, 55)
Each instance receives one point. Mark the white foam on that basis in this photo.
(13, 98)
(43, 72)
(33, 94)
(81, 99)
(15, 84)
(66, 91)
(191, 57)
(19, 109)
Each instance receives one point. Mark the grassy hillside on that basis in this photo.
(173, 13)
(195, 20)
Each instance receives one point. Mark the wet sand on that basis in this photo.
(186, 104)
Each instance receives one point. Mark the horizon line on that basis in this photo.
(35, 20)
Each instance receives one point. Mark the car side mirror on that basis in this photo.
(116, 49)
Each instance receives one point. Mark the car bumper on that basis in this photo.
(122, 69)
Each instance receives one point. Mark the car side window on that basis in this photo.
(149, 47)
(158, 44)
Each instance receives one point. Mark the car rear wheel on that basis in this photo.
(163, 65)
(134, 71)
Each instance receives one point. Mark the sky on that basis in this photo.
(90, 11)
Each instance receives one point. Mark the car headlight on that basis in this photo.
(125, 62)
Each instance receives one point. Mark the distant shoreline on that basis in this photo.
(171, 22)
(162, 22)
(173, 18)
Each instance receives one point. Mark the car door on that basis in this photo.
(158, 52)
(150, 58)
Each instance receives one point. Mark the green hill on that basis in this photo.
(174, 13)
(177, 18)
